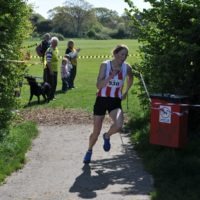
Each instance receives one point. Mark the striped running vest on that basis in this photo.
(114, 86)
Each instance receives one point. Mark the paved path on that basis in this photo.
(55, 171)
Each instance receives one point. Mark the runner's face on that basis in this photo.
(121, 56)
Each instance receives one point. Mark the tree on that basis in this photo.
(60, 21)
(44, 26)
(79, 19)
(80, 15)
(74, 19)
(107, 17)
(170, 46)
(14, 28)
(40, 24)
(36, 18)
(129, 27)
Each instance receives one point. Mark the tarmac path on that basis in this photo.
(55, 169)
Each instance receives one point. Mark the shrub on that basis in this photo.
(91, 34)
(169, 35)
(15, 27)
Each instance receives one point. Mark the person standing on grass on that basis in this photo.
(42, 47)
(65, 73)
(45, 45)
(52, 66)
(73, 54)
(110, 81)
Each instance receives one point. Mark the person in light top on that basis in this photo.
(66, 67)
(110, 82)
(73, 55)
(52, 66)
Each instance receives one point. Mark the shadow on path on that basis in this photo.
(124, 170)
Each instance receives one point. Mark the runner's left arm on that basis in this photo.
(129, 81)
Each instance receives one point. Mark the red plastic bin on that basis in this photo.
(169, 120)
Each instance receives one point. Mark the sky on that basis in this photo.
(42, 6)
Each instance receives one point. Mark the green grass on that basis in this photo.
(83, 97)
(89, 47)
(175, 171)
(14, 147)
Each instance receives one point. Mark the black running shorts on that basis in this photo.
(103, 104)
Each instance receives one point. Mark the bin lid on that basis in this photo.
(170, 97)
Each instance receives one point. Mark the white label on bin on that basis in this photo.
(165, 114)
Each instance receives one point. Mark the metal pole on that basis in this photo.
(145, 87)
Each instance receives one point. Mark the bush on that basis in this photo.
(91, 34)
(15, 27)
(170, 47)
(35, 35)
(118, 34)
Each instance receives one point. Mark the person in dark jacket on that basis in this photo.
(45, 44)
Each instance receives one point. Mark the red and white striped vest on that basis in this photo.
(114, 86)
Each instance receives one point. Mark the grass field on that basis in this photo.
(15, 146)
(83, 97)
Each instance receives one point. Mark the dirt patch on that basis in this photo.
(50, 116)
(56, 116)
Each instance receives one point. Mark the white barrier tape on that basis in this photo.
(88, 57)
(176, 113)
(181, 104)
(60, 57)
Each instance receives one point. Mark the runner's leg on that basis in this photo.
(98, 120)
(118, 118)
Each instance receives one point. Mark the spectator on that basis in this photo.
(45, 44)
(65, 73)
(52, 66)
(73, 53)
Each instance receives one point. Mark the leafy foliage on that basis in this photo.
(170, 46)
(175, 171)
(14, 27)
(80, 19)
(107, 17)
(73, 19)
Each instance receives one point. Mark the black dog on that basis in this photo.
(38, 89)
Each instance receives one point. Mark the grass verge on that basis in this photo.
(175, 171)
(14, 147)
